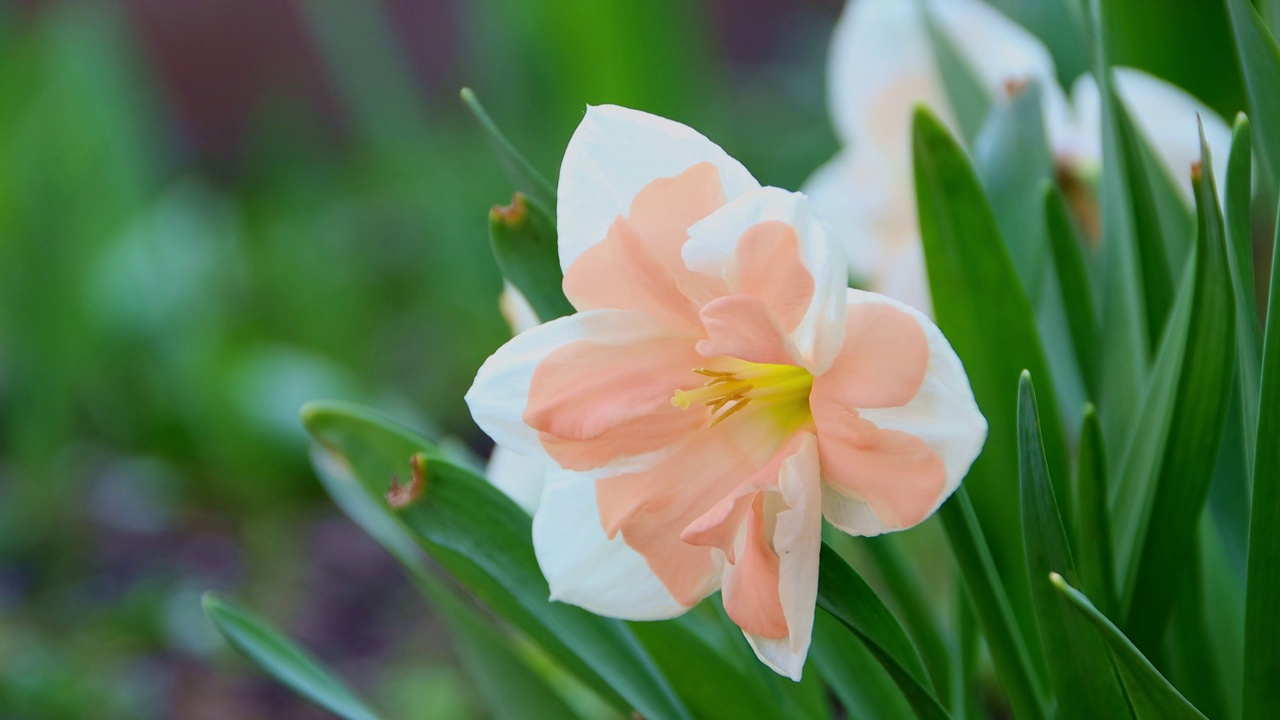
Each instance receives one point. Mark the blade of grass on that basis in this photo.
(1073, 282)
(1260, 61)
(519, 171)
(1093, 525)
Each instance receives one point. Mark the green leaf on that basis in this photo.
(505, 682)
(1058, 25)
(1191, 662)
(1079, 668)
(1008, 648)
(911, 597)
(844, 594)
(1262, 622)
(483, 539)
(1124, 338)
(1150, 694)
(519, 171)
(283, 660)
(1012, 158)
(523, 237)
(852, 673)
(1096, 565)
(1238, 194)
(1260, 60)
(1195, 432)
(1073, 282)
(985, 313)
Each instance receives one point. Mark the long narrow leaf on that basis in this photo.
(523, 237)
(909, 593)
(844, 594)
(519, 171)
(1199, 415)
(1096, 564)
(1151, 696)
(1079, 667)
(852, 672)
(1260, 60)
(1008, 650)
(283, 660)
(1262, 622)
(1073, 282)
(1238, 196)
(985, 313)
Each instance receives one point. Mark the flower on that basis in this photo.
(518, 477)
(882, 65)
(719, 391)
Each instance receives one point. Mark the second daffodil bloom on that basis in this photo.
(882, 64)
(717, 394)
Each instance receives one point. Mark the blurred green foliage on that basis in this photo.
(163, 315)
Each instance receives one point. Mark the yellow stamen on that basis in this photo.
(740, 383)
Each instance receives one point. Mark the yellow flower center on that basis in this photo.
(737, 384)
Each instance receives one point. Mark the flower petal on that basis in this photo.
(743, 327)
(499, 396)
(651, 507)
(638, 265)
(614, 153)
(899, 462)
(764, 227)
(586, 568)
(518, 477)
(796, 541)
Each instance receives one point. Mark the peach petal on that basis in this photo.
(881, 364)
(743, 327)
(751, 587)
(649, 507)
(592, 403)
(896, 473)
(638, 265)
(770, 268)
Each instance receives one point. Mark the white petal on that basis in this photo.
(797, 538)
(614, 153)
(586, 568)
(500, 393)
(943, 414)
(712, 249)
(519, 477)
(881, 65)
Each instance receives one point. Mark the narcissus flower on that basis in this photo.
(882, 64)
(718, 393)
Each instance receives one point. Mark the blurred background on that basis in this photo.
(212, 211)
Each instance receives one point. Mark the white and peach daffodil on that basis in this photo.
(718, 393)
(882, 65)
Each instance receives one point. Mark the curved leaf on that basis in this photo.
(282, 659)
(523, 237)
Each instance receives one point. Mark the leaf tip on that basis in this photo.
(1058, 581)
(510, 215)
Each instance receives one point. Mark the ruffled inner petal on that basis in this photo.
(593, 403)
(743, 327)
(881, 364)
(770, 268)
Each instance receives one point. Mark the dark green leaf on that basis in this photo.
(1260, 60)
(985, 313)
(523, 237)
(844, 594)
(1191, 661)
(1079, 667)
(1195, 432)
(1238, 195)
(519, 171)
(283, 660)
(1151, 696)
(1008, 649)
(483, 539)
(507, 684)
(1073, 282)
(1262, 621)
(852, 672)
(911, 597)
(1095, 565)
